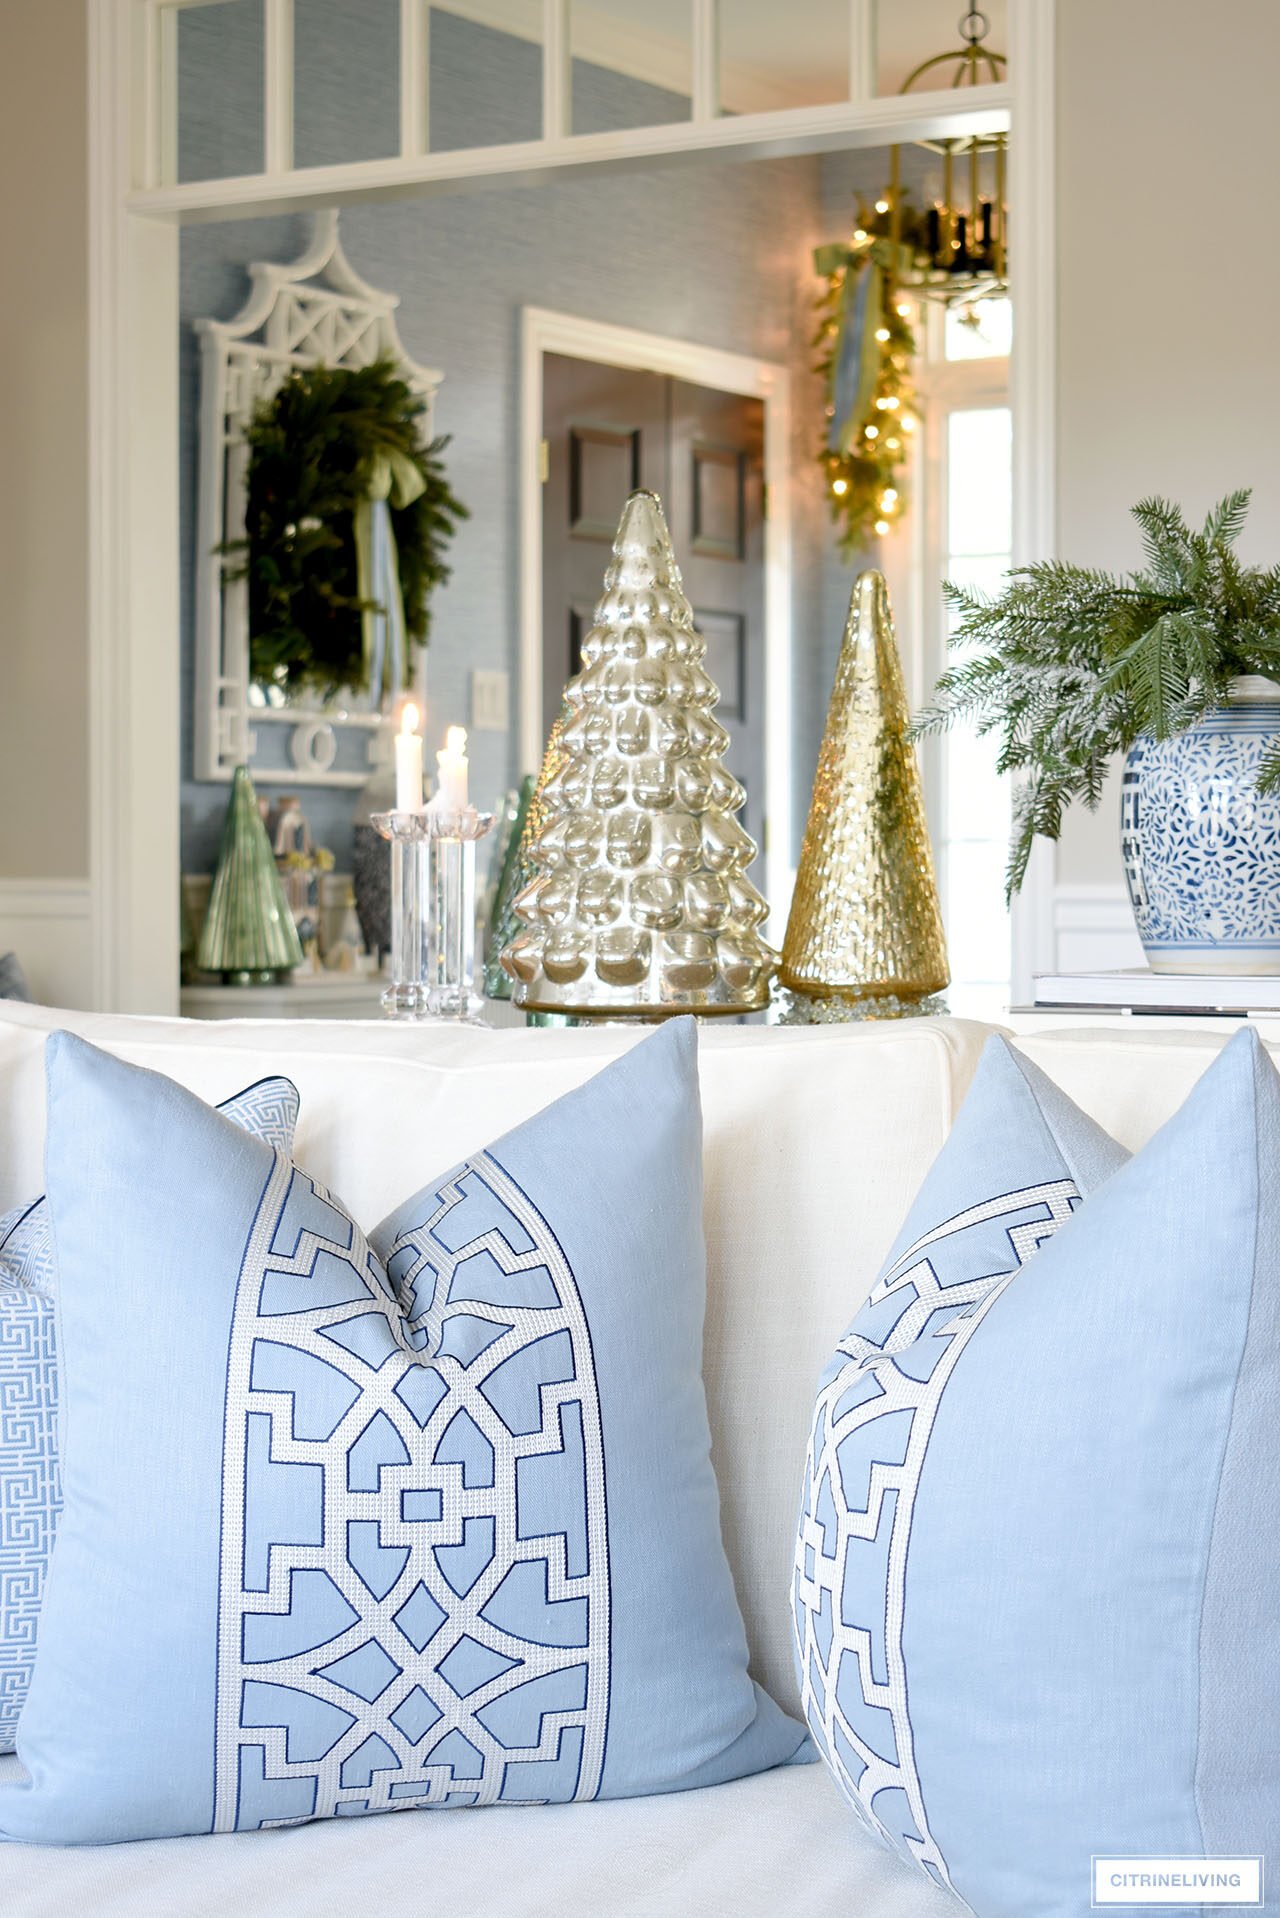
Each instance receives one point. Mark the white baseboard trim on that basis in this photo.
(47, 922)
(1093, 929)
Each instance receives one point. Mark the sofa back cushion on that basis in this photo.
(815, 1143)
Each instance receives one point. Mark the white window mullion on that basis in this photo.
(415, 70)
(706, 59)
(557, 72)
(277, 136)
(863, 53)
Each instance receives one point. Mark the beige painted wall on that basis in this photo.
(1168, 287)
(43, 442)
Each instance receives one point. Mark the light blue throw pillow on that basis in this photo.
(358, 1525)
(30, 1493)
(1038, 1562)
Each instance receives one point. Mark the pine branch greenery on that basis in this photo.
(311, 447)
(1067, 666)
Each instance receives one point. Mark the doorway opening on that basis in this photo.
(606, 409)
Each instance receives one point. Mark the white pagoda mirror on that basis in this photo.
(315, 312)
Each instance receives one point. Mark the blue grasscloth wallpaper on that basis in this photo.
(712, 252)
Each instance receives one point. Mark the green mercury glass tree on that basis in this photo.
(248, 936)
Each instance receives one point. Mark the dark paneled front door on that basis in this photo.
(609, 430)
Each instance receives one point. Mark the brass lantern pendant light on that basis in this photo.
(957, 250)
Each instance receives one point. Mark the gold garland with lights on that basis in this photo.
(864, 455)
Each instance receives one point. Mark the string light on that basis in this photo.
(882, 206)
(872, 432)
(882, 333)
(882, 527)
(888, 499)
(839, 487)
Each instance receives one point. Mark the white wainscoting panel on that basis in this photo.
(1093, 929)
(47, 923)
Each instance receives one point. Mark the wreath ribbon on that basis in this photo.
(855, 363)
(392, 479)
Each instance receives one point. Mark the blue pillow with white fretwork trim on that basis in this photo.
(420, 1519)
(1014, 1168)
(30, 1490)
(1040, 1545)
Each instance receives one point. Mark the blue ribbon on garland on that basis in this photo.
(393, 480)
(855, 361)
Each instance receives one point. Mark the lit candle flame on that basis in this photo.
(455, 739)
(409, 718)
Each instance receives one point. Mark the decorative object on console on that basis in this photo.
(300, 865)
(1112, 1569)
(248, 935)
(13, 980)
(641, 907)
(864, 936)
(433, 911)
(344, 950)
(30, 1488)
(1070, 666)
(424, 1519)
(370, 854)
(554, 758)
(1201, 841)
(502, 925)
(410, 790)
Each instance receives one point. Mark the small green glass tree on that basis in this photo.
(248, 934)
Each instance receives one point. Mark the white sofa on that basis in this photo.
(815, 1142)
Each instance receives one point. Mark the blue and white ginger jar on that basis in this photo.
(1201, 845)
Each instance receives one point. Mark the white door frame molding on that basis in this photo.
(133, 397)
(1033, 393)
(133, 558)
(542, 332)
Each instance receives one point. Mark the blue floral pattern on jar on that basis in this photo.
(1201, 844)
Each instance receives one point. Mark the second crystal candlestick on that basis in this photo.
(433, 911)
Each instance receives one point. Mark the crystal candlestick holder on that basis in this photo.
(433, 912)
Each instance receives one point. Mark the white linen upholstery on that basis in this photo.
(778, 1845)
(815, 1142)
(1130, 1078)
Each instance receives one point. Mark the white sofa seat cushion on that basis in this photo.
(783, 1844)
(815, 1143)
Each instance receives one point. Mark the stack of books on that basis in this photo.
(1138, 990)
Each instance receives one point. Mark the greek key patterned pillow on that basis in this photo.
(30, 1493)
(420, 1519)
(1040, 1541)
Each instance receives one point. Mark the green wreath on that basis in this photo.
(329, 442)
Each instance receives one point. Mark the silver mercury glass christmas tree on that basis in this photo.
(641, 906)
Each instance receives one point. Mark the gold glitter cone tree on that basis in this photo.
(249, 935)
(865, 923)
(641, 905)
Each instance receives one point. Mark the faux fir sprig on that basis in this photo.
(1069, 665)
